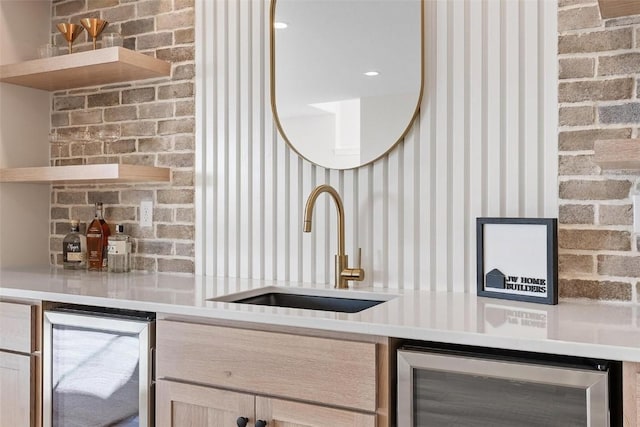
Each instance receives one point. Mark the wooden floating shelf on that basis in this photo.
(86, 174)
(617, 153)
(82, 69)
(617, 8)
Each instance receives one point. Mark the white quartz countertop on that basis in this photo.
(579, 328)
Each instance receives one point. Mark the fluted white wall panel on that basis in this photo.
(484, 144)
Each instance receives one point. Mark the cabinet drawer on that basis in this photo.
(18, 327)
(323, 370)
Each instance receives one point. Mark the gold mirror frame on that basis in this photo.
(272, 13)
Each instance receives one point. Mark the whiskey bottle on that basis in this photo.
(119, 251)
(74, 249)
(97, 240)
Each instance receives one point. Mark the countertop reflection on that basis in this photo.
(580, 328)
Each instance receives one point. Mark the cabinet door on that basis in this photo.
(186, 405)
(283, 413)
(17, 402)
(631, 394)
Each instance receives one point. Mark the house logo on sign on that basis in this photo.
(495, 279)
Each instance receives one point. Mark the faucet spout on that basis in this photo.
(343, 272)
(311, 203)
(306, 227)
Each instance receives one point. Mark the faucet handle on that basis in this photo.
(354, 273)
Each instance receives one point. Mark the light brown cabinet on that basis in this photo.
(16, 397)
(278, 412)
(631, 394)
(281, 378)
(19, 364)
(180, 404)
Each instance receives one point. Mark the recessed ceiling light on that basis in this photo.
(371, 73)
(280, 25)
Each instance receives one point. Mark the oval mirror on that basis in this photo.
(346, 76)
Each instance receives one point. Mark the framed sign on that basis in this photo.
(518, 259)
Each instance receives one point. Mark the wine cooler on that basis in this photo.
(461, 388)
(97, 368)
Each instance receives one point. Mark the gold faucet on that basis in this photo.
(343, 272)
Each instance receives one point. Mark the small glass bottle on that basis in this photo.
(74, 249)
(119, 251)
(97, 235)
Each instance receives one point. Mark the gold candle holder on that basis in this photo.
(94, 27)
(70, 32)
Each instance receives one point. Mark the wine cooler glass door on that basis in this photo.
(446, 390)
(95, 371)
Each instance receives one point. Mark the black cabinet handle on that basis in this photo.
(261, 423)
(242, 421)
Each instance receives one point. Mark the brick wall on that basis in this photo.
(599, 67)
(156, 121)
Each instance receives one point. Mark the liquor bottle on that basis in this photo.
(119, 251)
(97, 240)
(74, 249)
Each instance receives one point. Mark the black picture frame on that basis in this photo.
(521, 289)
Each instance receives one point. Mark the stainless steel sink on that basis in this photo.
(310, 299)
